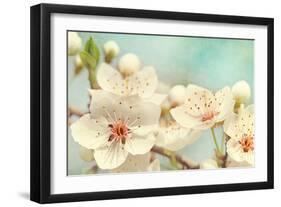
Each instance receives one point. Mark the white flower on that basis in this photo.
(111, 48)
(129, 64)
(203, 109)
(241, 91)
(240, 128)
(209, 164)
(138, 163)
(172, 136)
(142, 83)
(74, 43)
(115, 127)
(177, 95)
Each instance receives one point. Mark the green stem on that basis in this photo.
(92, 79)
(215, 139)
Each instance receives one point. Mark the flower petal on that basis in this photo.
(144, 82)
(135, 163)
(199, 100)
(88, 132)
(110, 79)
(106, 104)
(225, 103)
(157, 98)
(142, 113)
(236, 126)
(140, 144)
(185, 119)
(237, 154)
(234, 150)
(110, 156)
(176, 137)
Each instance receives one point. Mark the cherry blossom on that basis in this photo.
(115, 127)
(203, 109)
(240, 128)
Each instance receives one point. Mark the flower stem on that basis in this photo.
(92, 79)
(215, 139)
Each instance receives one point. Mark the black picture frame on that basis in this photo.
(41, 102)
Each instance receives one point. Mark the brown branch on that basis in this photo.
(185, 163)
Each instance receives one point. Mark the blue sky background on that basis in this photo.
(209, 62)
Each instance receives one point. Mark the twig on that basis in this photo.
(185, 164)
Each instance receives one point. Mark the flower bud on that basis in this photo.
(177, 95)
(111, 50)
(74, 43)
(241, 92)
(78, 65)
(129, 64)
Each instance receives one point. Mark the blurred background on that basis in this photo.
(212, 63)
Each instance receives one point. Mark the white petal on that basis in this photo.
(135, 163)
(156, 98)
(199, 100)
(177, 95)
(225, 103)
(234, 150)
(110, 156)
(209, 164)
(88, 132)
(110, 79)
(237, 154)
(236, 126)
(184, 118)
(144, 82)
(144, 130)
(143, 113)
(176, 137)
(140, 145)
(105, 104)
(230, 127)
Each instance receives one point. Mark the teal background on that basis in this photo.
(209, 62)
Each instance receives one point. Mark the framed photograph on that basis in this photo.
(132, 103)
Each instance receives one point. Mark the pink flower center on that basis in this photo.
(119, 131)
(209, 116)
(247, 143)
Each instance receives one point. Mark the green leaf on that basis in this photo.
(90, 55)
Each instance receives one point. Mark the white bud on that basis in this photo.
(129, 64)
(241, 91)
(177, 95)
(209, 164)
(165, 105)
(86, 154)
(78, 65)
(74, 43)
(111, 48)
(78, 61)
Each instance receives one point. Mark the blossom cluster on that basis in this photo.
(132, 111)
